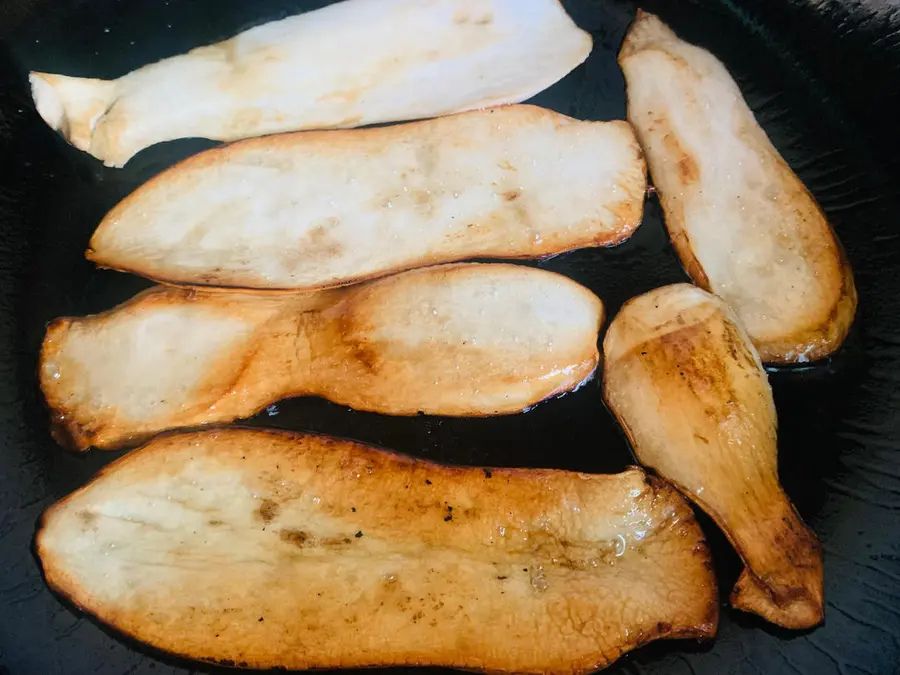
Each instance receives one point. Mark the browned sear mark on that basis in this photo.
(296, 537)
(268, 510)
(688, 171)
(462, 18)
(301, 539)
(368, 355)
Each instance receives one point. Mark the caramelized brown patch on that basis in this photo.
(674, 220)
(411, 582)
(268, 510)
(297, 538)
(351, 332)
(366, 354)
(688, 171)
(512, 195)
(304, 539)
(691, 354)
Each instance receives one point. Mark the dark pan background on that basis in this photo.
(822, 76)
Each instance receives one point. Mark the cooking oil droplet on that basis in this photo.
(538, 580)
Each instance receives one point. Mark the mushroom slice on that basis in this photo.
(350, 64)
(317, 209)
(267, 549)
(743, 224)
(685, 382)
(459, 340)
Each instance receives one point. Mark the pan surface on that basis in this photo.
(821, 76)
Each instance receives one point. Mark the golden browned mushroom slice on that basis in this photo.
(684, 380)
(266, 549)
(457, 340)
(350, 64)
(317, 209)
(743, 224)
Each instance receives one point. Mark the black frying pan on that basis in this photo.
(822, 76)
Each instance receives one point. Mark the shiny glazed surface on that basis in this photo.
(745, 227)
(267, 549)
(319, 209)
(812, 72)
(461, 340)
(683, 378)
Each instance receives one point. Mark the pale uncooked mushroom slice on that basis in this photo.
(684, 380)
(350, 64)
(266, 549)
(460, 340)
(318, 209)
(743, 224)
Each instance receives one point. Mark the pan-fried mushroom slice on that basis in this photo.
(456, 340)
(350, 64)
(743, 224)
(268, 549)
(684, 380)
(317, 209)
